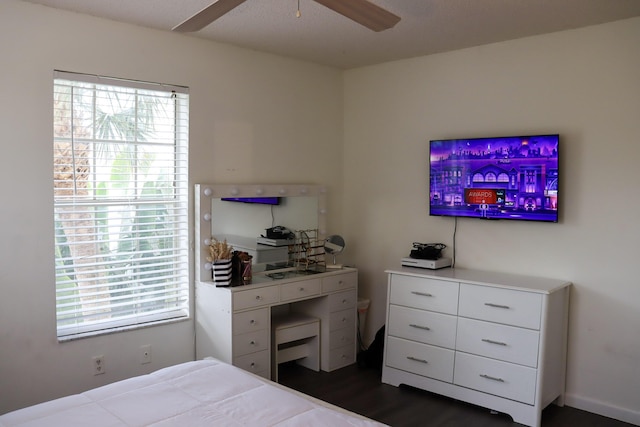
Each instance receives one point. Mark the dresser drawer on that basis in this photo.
(422, 359)
(257, 363)
(251, 342)
(342, 319)
(424, 326)
(339, 282)
(507, 306)
(343, 300)
(427, 294)
(250, 321)
(298, 290)
(341, 337)
(341, 356)
(503, 379)
(507, 343)
(256, 297)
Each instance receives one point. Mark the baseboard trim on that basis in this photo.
(603, 408)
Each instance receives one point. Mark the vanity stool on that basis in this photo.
(295, 336)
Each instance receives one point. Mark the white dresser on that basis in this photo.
(492, 339)
(234, 324)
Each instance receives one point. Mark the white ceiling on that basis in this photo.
(323, 36)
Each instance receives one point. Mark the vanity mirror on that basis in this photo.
(242, 213)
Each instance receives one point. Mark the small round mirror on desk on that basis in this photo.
(334, 245)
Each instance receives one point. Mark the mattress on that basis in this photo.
(192, 394)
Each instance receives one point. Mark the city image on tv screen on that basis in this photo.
(513, 177)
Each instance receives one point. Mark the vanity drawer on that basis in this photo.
(507, 306)
(424, 326)
(495, 377)
(342, 319)
(257, 363)
(342, 356)
(299, 290)
(251, 342)
(339, 282)
(423, 293)
(507, 343)
(342, 300)
(255, 297)
(422, 359)
(341, 337)
(250, 321)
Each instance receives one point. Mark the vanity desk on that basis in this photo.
(233, 323)
(492, 339)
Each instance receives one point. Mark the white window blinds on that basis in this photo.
(120, 203)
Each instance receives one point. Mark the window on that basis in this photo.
(120, 204)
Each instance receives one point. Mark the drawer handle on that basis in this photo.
(253, 364)
(490, 304)
(426, 328)
(415, 359)
(252, 321)
(489, 377)
(422, 294)
(252, 343)
(494, 342)
(301, 289)
(258, 297)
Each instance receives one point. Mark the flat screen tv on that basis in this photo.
(256, 200)
(514, 177)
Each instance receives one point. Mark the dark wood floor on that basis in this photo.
(360, 390)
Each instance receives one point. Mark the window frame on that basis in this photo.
(173, 301)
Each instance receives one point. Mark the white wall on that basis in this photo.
(583, 84)
(254, 118)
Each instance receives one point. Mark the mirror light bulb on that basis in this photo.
(207, 266)
(207, 242)
(207, 216)
(208, 191)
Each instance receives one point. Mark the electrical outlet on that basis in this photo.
(145, 354)
(98, 365)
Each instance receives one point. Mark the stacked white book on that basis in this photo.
(274, 242)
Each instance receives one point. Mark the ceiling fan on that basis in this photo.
(361, 11)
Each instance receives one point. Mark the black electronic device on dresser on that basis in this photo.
(427, 255)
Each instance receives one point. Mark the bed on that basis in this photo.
(200, 393)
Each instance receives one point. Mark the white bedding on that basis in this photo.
(200, 393)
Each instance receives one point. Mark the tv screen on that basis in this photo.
(257, 200)
(514, 177)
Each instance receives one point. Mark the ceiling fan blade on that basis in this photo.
(207, 15)
(364, 13)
